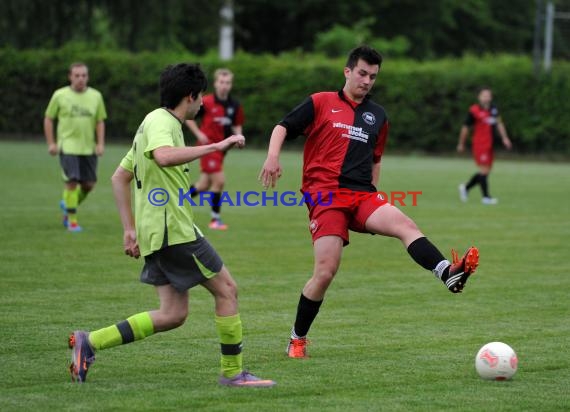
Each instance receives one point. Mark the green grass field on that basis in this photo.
(389, 336)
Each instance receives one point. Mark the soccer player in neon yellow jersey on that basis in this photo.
(177, 256)
(80, 114)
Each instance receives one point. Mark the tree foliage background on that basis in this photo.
(438, 53)
(421, 29)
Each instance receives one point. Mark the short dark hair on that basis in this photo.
(366, 53)
(483, 88)
(180, 80)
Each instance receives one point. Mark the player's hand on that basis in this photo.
(460, 148)
(270, 172)
(130, 244)
(236, 140)
(507, 143)
(52, 149)
(99, 149)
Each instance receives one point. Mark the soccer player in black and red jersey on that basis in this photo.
(345, 136)
(486, 122)
(222, 116)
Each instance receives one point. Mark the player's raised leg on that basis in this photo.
(327, 252)
(229, 327)
(391, 221)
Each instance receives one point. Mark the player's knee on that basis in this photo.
(324, 273)
(409, 231)
(232, 289)
(409, 225)
(228, 289)
(200, 187)
(217, 186)
(87, 187)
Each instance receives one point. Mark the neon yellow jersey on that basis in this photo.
(77, 114)
(161, 218)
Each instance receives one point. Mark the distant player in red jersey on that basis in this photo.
(485, 120)
(345, 136)
(222, 116)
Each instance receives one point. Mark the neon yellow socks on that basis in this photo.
(71, 200)
(136, 327)
(230, 333)
(81, 195)
(140, 326)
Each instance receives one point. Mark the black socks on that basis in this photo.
(481, 179)
(307, 311)
(484, 185)
(429, 257)
(216, 197)
(473, 181)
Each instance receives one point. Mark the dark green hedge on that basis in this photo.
(426, 101)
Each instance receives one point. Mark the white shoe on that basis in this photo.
(462, 192)
(489, 201)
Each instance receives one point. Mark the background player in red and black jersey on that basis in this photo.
(485, 120)
(345, 136)
(221, 116)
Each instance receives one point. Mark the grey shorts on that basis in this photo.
(78, 168)
(183, 266)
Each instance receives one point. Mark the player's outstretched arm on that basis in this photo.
(235, 140)
(121, 182)
(271, 170)
(166, 156)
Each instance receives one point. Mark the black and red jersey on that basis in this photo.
(484, 122)
(218, 117)
(344, 140)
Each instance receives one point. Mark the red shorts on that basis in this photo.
(212, 162)
(483, 157)
(345, 211)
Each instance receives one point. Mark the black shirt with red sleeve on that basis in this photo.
(484, 122)
(218, 117)
(344, 140)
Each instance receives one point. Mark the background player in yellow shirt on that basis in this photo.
(80, 114)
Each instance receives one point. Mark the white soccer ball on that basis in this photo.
(497, 361)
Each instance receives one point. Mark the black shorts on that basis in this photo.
(78, 168)
(183, 266)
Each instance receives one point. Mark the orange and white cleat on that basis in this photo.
(297, 348)
(461, 269)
